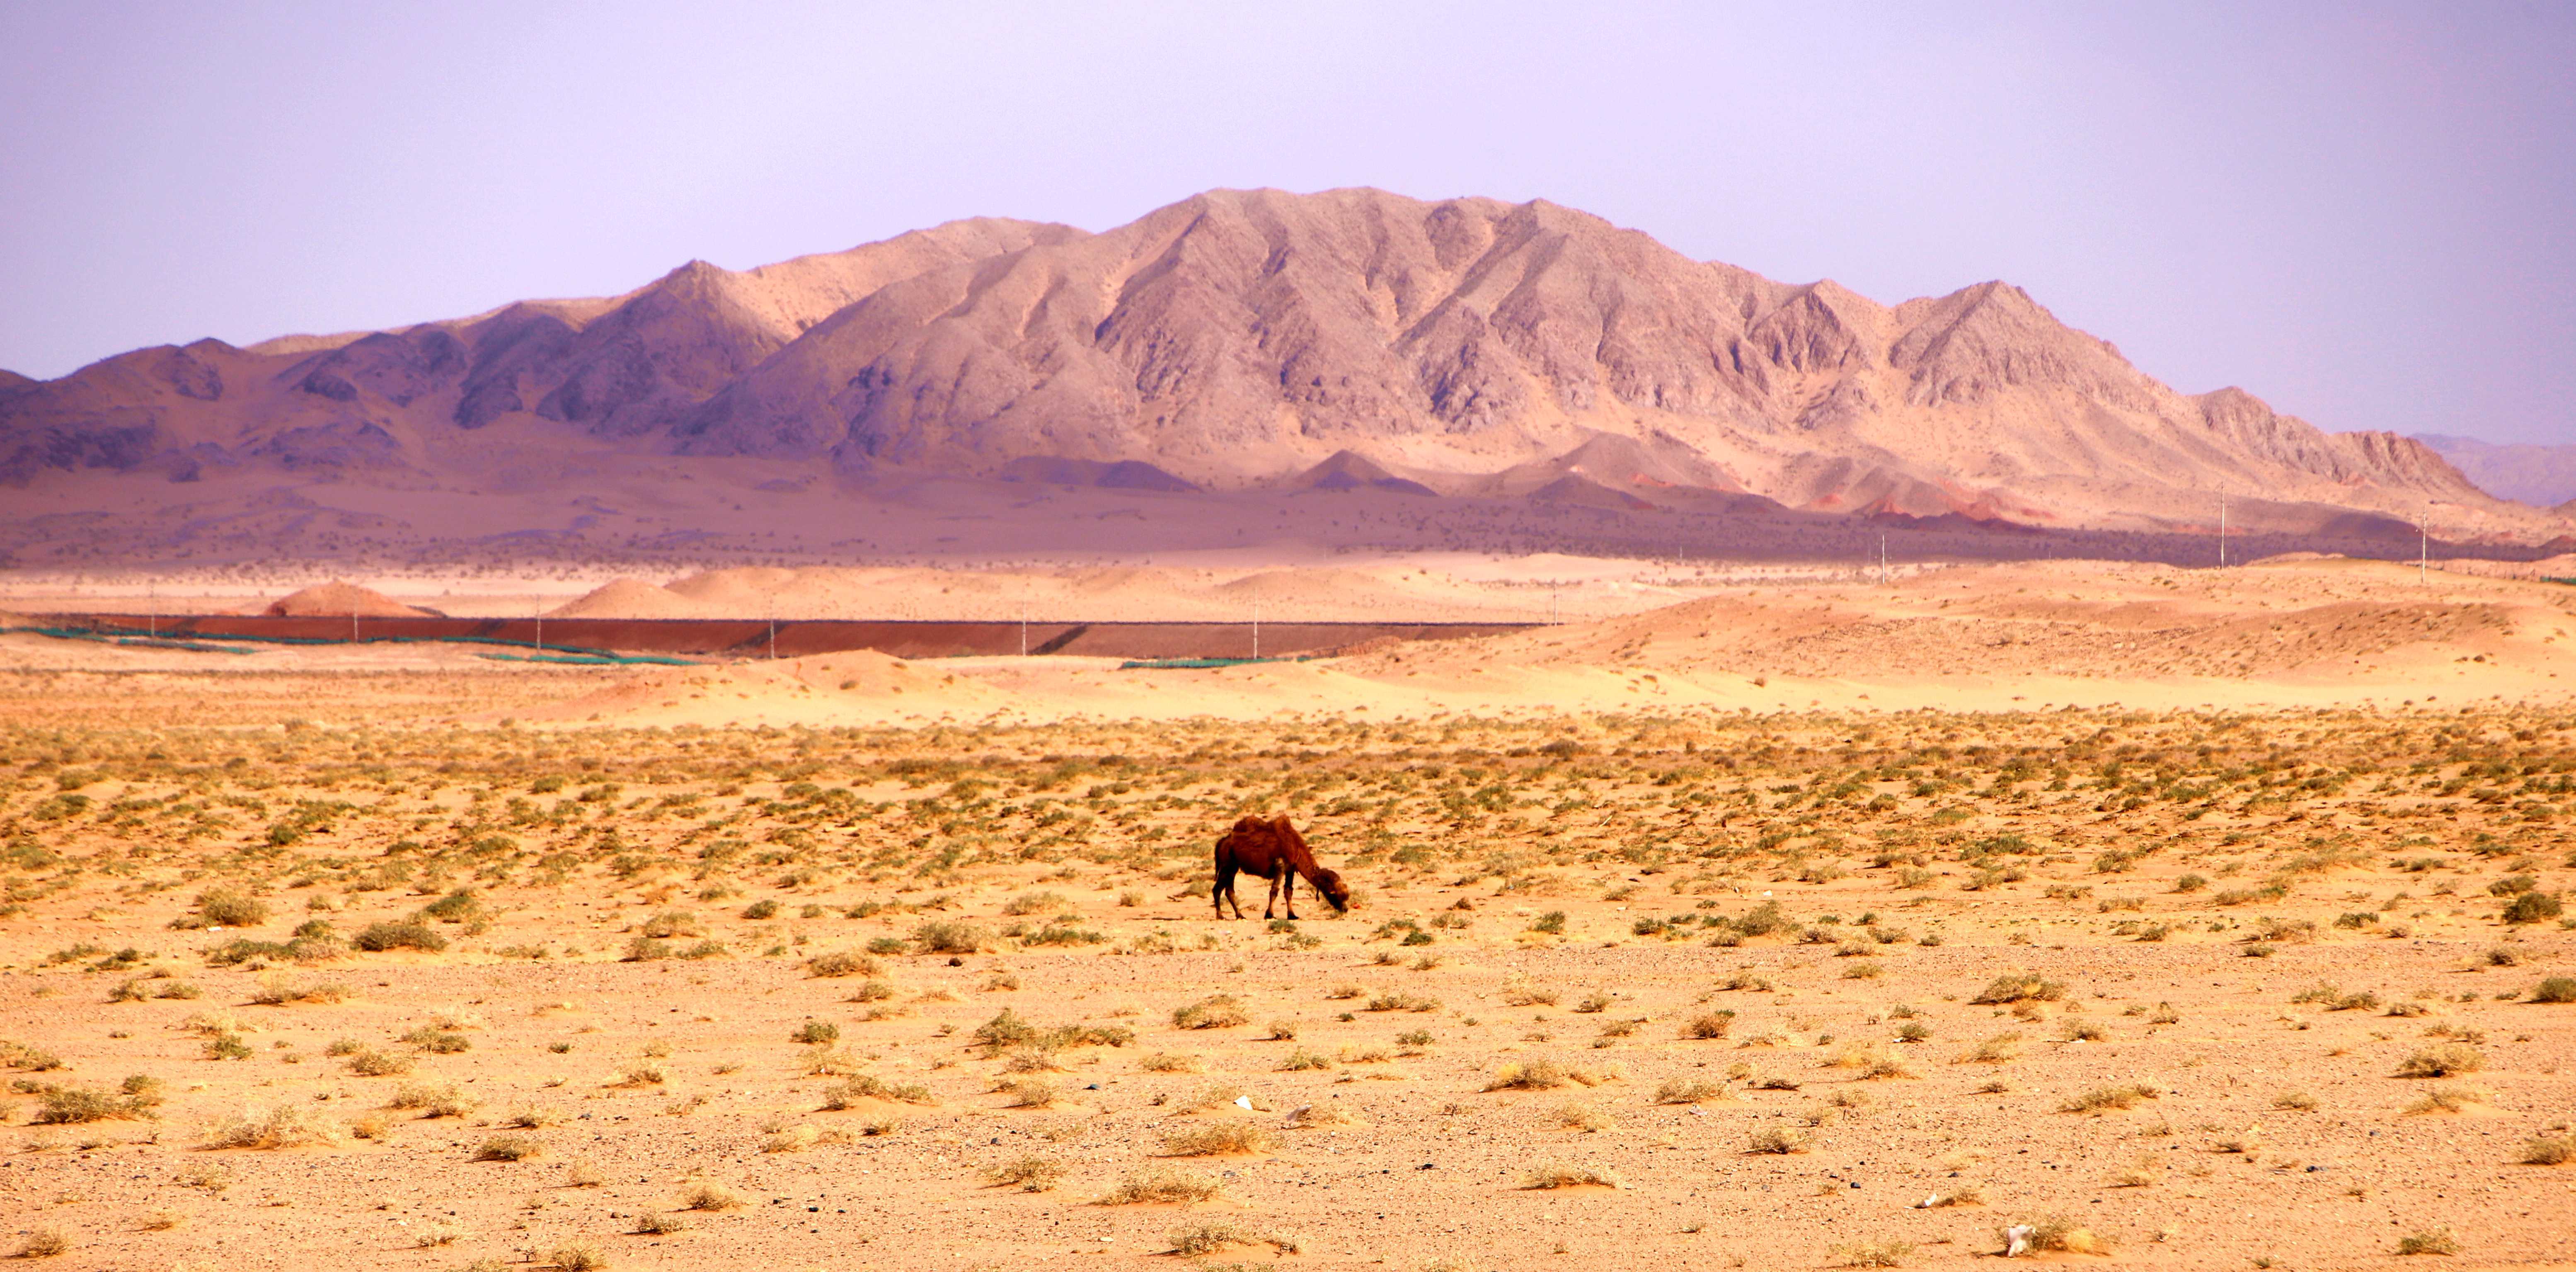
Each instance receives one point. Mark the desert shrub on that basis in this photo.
(816, 1031)
(1165, 1062)
(2014, 987)
(2442, 1061)
(2555, 989)
(1220, 1011)
(867, 1086)
(1778, 1139)
(1226, 1136)
(282, 1126)
(841, 963)
(2430, 1240)
(1708, 1025)
(367, 1062)
(1995, 1049)
(577, 1258)
(2549, 1150)
(948, 936)
(1687, 1091)
(1028, 1174)
(1872, 1254)
(1562, 1175)
(2448, 1099)
(2532, 907)
(509, 1148)
(2056, 1234)
(1160, 1185)
(44, 1243)
(227, 906)
(435, 1099)
(706, 1194)
(2110, 1097)
(406, 934)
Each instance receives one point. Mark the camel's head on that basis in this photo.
(1334, 890)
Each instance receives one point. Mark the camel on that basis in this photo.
(1273, 851)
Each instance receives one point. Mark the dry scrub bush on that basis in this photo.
(1578, 1116)
(2015, 987)
(1681, 1091)
(2443, 1061)
(1160, 1185)
(577, 1258)
(706, 1194)
(1221, 1011)
(1997, 1049)
(2057, 1234)
(2549, 1150)
(435, 1099)
(1209, 1139)
(283, 1126)
(655, 1223)
(1872, 1254)
(1708, 1025)
(2555, 989)
(1778, 1139)
(1166, 1062)
(44, 1243)
(1028, 1174)
(1563, 1175)
(2429, 1241)
(509, 1148)
(2448, 1099)
(1198, 1240)
(2100, 1099)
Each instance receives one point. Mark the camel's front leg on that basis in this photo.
(1269, 895)
(1288, 892)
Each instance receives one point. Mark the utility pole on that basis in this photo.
(1256, 630)
(773, 637)
(2424, 547)
(2222, 531)
(541, 626)
(1885, 578)
(1024, 631)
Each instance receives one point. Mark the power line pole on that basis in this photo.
(2222, 531)
(2424, 547)
(1256, 629)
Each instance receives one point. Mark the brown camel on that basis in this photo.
(1272, 850)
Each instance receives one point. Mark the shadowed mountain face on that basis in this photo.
(1350, 339)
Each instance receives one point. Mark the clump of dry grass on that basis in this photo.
(1872, 1254)
(1209, 1139)
(791, 1139)
(660, 1223)
(867, 1086)
(1031, 1093)
(2055, 1234)
(1541, 1073)
(1778, 1139)
(509, 1148)
(577, 1257)
(1995, 1049)
(45, 1243)
(1028, 1174)
(1160, 1185)
(2429, 1241)
(2549, 1150)
(1575, 1115)
(1218, 1011)
(435, 1099)
(2448, 1099)
(1167, 1062)
(1202, 1239)
(2101, 1099)
(1521, 991)
(2015, 987)
(1708, 1025)
(706, 1194)
(1564, 1175)
(2443, 1061)
(1688, 1091)
(281, 1126)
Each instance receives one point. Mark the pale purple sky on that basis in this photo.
(2364, 213)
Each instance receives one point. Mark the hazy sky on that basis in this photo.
(2364, 213)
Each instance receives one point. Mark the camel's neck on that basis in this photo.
(1300, 858)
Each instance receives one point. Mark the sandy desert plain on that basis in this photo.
(2189, 918)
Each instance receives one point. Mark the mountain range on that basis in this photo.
(1235, 341)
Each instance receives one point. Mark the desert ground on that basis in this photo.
(2190, 918)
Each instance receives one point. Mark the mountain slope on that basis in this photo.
(1245, 338)
(2544, 476)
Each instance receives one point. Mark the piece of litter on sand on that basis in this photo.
(1243, 1101)
(2017, 1240)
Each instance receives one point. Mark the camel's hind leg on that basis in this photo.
(1223, 891)
(1288, 892)
(1269, 895)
